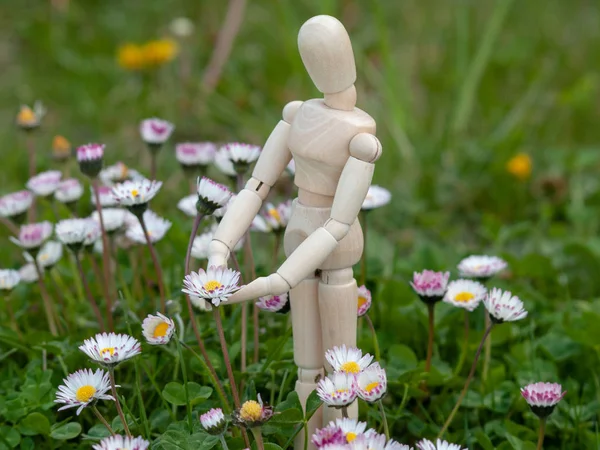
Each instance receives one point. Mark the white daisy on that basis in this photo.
(68, 191)
(28, 273)
(111, 348)
(9, 279)
(542, 398)
(82, 388)
(439, 445)
(32, 236)
(481, 266)
(213, 421)
(338, 389)
(156, 226)
(188, 205)
(139, 192)
(15, 203)
(105, 195)
(259, 224)
(347, 359)
(277, 217)
(195, 154)
(45, 183)
(351, 428)
(216, 284)
(240, 153)
(211, 195)
(372, 383)
(376, 197)
(77, 232)
(118, 173)
(201, 245)
(364, 301)
(274, 303)
(465, 294)
(156, 131)
(113, 218)
(223, 163)
(118, 442)
(200, 303)
(158, 329)
(90, 153)
(503, 306)
(429, 285)
(50, 253)
(220, 212)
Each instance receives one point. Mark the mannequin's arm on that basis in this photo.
(274, 157)
(352, 189)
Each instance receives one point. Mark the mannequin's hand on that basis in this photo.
(274, 284)
(218, 254)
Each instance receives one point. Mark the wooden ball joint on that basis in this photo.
(334, 147)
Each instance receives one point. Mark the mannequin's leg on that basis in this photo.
(308, 348)
(337, 305)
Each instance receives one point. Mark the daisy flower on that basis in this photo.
(338, 389)
(481, 266)
(90, 158)
(216, 284)
(200, 303)
(158, 329)
(15, 204)
(188, 205)
(439, 445)
(277, 217)
(74, 233)
(32, 236)
(155, 132)
(50, 253)
(274, 303)
(201, 245)
(113, 218)
(69, 191)
(118, 173)
(219, 213)
(135, 195)
(503, 306)
(156, 226)
(82, 388)
(110, 349)
(465, 294)
(61, 148)
(211, 195)
(364, 301)
(351, 428)
(376, 197)
(9, 279)
(118, 442)
(372, 383)
(29, 118)
(331, 435)
(105, 195)
(28, 273)
(195, 154)
(347, 359)
(45, 183)
(252, 413)
(224, 164)
(542, 398)
(214, 421)
(430, 286)
(242, 155)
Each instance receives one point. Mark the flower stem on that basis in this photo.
(386, 429)
(345, 412)
(185, 387)
(463, 354)
(467, 382)
(153, 164)
(113, 386)
(188, 254)
(45, 298)
(105, 256)
(223, 442)
(487, 352)
(431, 312)
(219, 324)
(88, 292)
(375, 340)
(541, 434)
(102, 419)
(11, 316)
(157, 269)
(258, 438)
(11, 226)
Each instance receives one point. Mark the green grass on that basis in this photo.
(457, 88)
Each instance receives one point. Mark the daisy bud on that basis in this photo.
(158, 329)
(61, 148)
(465, 294)
(194, 156)
(211, 196)
(481, 266)
(274, 303)
(173, 307)
(155, 132)
(376, 198)
(8, 279)
(44, 183)
(502, 306)
(90, 158)
(364, 301)
(430, 286)
(252, 414)
(542, 398)
(214, 422)
(32, 236)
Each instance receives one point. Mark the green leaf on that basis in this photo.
(35, 423)
(67, 431)
(484, 440)
(11, 436)
(174, 393)
(198, 393)
(313, 402)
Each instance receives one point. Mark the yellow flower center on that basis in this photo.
(159, 52)
(131, 57)
(212, 285)
(350, 367)
(361, 302)
(341, 391)
(350, 436)
(60, 146)
(85, 393)
(26, 116)
(251, 411)
(134, 192)
(275, 214)
(161, 329)
(464, 297)
(369, 387)
(109, 350)
(520, 166)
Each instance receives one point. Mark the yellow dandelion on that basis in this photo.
(131, 57)
(519, 166)
(159, 52)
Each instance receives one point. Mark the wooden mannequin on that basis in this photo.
(334, 147)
